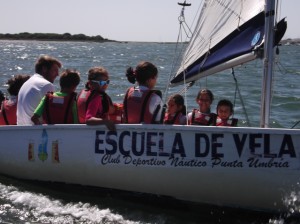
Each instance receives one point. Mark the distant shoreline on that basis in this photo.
(53, 37)
(82, 37)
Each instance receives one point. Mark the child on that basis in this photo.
(142, 103)
(59, 107)
(94, 105)
(203, 116)
(224, 111)
(176, 110)
(8, 112)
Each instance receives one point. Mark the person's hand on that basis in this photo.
(110, 125)
(99, 121)
(36, 119)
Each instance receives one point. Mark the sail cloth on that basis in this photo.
(226, 35)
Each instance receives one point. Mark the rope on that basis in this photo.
(241, 99)
(283, 70)
(175, 62)
(181, 20)
(295, 124)
(182, 27)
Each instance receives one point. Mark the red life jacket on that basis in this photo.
(9, 113)
(118, 115)
(199, 118)
(58, 109)
(85, 97)
(136, 106)
(229, 122)
(170, 119)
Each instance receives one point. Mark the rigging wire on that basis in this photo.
(283, 70)
(183, 28)
(237, 90)
(174, 63)
(182, 22)
(176, 59)
(295, 124)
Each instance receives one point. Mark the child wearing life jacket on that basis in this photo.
(203, 115)
(94, 105)
(59, 107)
(176, 110)
(142, 103)
(8, 108)
(224, 111)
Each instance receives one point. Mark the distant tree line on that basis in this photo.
(52, 36)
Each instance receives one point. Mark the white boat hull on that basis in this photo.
(250, 168)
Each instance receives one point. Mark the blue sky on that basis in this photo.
(123, 20)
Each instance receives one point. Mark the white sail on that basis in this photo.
(220, 20)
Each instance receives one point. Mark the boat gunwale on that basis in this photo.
(159, 127)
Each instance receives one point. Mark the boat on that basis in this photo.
(241, 167)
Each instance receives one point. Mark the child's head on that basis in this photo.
(176, 104)
(15, 83)
(204, 99)
(98, 79)
(224, 109)
(69, 80)
(145, 74)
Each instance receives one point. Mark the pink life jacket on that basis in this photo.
(84, 99)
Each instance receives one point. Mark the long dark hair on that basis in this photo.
(142, 73)
(179, 101)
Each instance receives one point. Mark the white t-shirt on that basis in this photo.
(30, 95)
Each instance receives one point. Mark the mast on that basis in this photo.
(268, 63)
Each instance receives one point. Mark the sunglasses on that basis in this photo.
(101, 82)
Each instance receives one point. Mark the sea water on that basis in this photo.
(34, 202)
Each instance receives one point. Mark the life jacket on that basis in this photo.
(118, 115)
(199, 118)
(58, 109)
(172, 119)
(229, 122)
(136, 106)
(85, 97)
(9, 113)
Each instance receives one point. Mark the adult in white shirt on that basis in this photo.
(33, 90)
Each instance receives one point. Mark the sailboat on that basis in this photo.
(242, 167)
